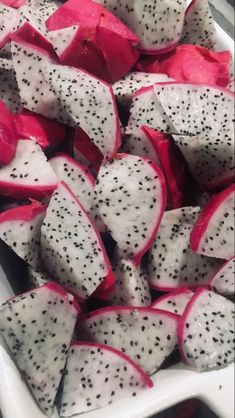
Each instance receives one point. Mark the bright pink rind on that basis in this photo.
(182, 322)
(206, 215)
(147, 380)
(23, 213)
(172, 289)
(22, 191)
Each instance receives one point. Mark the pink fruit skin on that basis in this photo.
(218, 272)
(46, 132)
(120, 354)
(138, 256)
(110, 278)
(91, 47)
(23, 192)
(87, 148)
(8, 136)
(24, 213)
(196, 64)
(183, 319)
(204, 219)
(29, 34)
(172, 164)
(14, 3)
(161, 51)
(176, 292)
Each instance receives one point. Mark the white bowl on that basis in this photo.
(172, 386)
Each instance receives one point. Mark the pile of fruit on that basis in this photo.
(117, 190)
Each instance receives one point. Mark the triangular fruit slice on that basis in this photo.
(71, 247)
(223, 281)
(29, 174)
(20, 229)
(37, 328)
(213, 234)
(131, 196)
(147, 335)
(96, 376)
(206, 331)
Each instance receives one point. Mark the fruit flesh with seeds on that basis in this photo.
(147, 335)
(175, 301)
(116, 377)
(206, 331)
(223, 281)
(37, 328)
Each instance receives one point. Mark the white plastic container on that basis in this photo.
(172, 386)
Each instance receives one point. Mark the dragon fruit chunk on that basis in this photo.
(117, 375)
(37, 328)
(20, 229)
(125, 88)
(199, 27)
(8, 136)
(158, 25)
(174, 302)
(146, 110)
(198, 109)
(195, 64)
(27, 59)
(8, 17)
(213, 233)
(90, 103)
(172, 264)
(131, 287)
(76, 176)
(85, 35)
(147, 335)
(46, 132)
(36, 278)
(71, 248)
(131, 188)
(210, 158)
(223, 281)
(9, 92)
(29, 174)
(206, 331)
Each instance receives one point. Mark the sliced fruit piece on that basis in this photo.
(147, 335)
(210, 158)
(175, 301)
(213, 234)
(90, 103)
(206, 331)
(198, 109)
(199, 26)
(76, 176)
(29, 174)
(20, 229)
(71, 247)
(37, 328)
(130, 196)
(172, 264)
(98, 366)
(223, 281)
